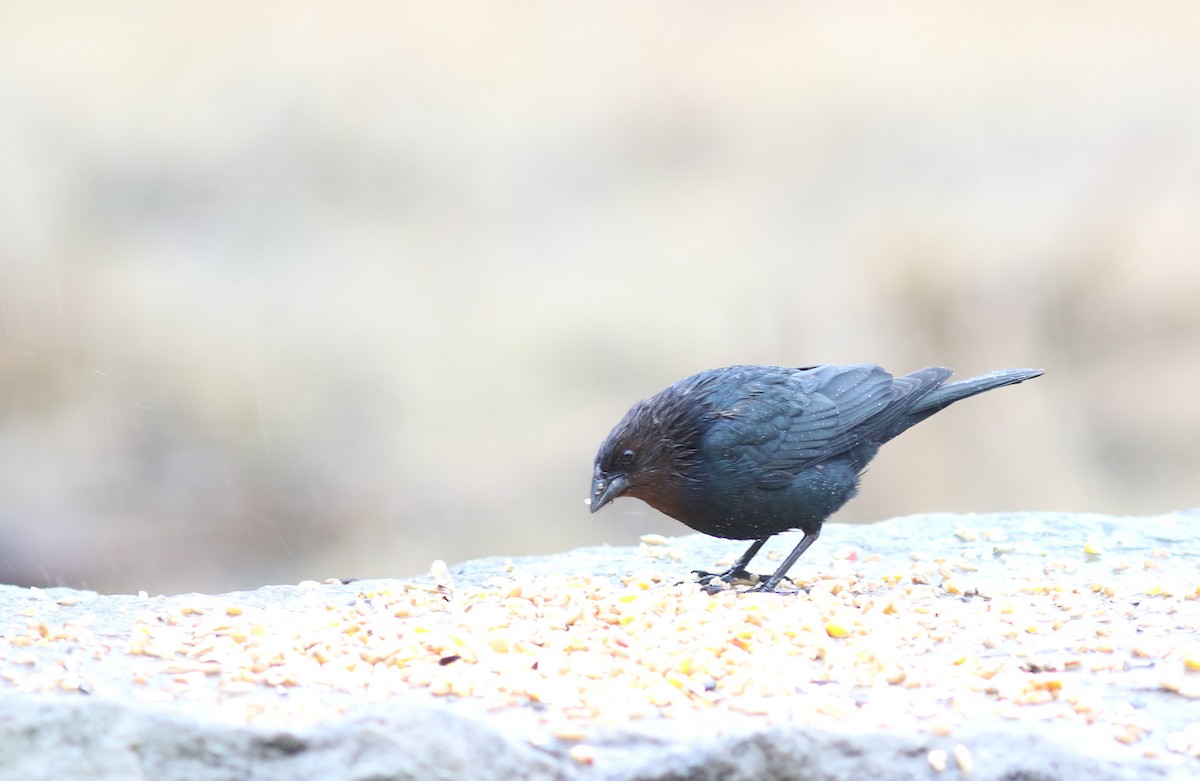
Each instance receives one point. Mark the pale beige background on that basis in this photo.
(293, 291)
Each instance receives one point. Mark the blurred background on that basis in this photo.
(294, 292)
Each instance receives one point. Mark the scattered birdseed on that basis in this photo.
(569, 732)
(864, 643)
(440, 573)
(962, 757)
(582, 754)
(1182, 687)
(836, 629)
(653, 539)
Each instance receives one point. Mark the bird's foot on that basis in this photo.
(770, 586)
(728, 576)
(715, 582)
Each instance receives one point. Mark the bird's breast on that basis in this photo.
(752, 504)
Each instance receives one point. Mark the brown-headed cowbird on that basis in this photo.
(747, 452)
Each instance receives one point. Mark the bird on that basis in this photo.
(747, 452)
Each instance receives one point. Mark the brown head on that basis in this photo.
(651, 453)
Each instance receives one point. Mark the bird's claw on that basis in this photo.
(728, 576)
(715, 582)
(767, 586)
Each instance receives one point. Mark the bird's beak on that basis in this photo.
(605, 490)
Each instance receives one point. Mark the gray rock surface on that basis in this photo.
(81, 709)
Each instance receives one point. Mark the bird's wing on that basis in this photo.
(785, 423)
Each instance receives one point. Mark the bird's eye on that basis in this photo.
(626, 458)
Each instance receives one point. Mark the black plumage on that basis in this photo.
(747, 452)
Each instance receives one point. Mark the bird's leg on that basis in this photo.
(770, 583)
(738, 570)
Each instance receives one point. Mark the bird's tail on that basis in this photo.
(956, 391)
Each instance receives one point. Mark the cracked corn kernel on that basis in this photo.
(836, 629)
(582, 754)
(962, 756)
(1184, 688)
(937, 759)
(569, 732)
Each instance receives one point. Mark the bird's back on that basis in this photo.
(787, 420)
(782, 448)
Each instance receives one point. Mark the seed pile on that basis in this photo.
(858, 644)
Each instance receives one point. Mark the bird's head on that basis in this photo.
(647, 454)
